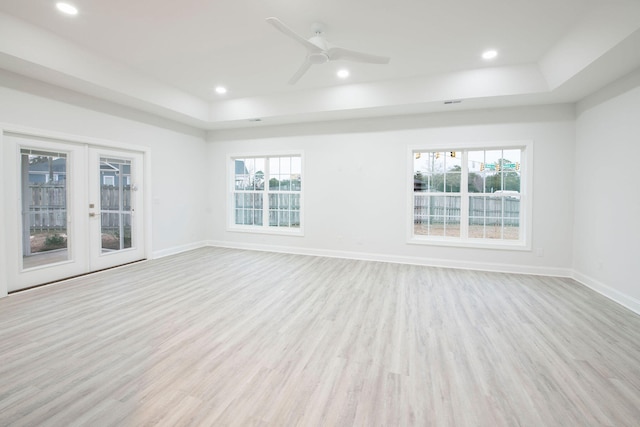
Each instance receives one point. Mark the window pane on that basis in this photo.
(274, 184)
(296, 182)
(251, 169)
(476, 217)
(437, 161)
(452, 182)
(494, 217)
(258, 173)
(476, 161)
(511, 182)
(241, 175)
(452, 216)
(285, 165)
(420, 171)
(259, 180)
(284, 210)
(476, 173)
(432, 214)
(436, 227)
(248, 208)
(296, 173)
(453, 161)
(296, 165)
(420, 212)
(491, 158)
(493, 182)
(511, 217)
(285, 182)
(475, 182)
(274, 166)
(511, 159)
(493, 228)
(437, 171)
(428, 162)
(274, 218)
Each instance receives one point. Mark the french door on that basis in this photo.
(70, 209)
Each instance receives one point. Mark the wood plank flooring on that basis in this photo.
(228, 337)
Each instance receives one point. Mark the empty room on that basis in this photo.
(356, 213)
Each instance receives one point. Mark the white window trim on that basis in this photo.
(526, 199)
(261, 229)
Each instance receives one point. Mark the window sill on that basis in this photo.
(277, 231)
(510, 245)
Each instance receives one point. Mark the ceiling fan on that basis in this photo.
(320, 51)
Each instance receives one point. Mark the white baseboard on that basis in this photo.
(607, 291)
(430, 262)
(178, 249)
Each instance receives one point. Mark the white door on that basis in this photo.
(70, 209)
(115, 208)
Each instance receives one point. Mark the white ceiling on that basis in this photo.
(165, 57)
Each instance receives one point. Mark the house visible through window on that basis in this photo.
(468, 195)
(267, 193)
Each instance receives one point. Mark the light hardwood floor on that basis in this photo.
(228, 337)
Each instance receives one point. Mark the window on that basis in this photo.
(469, 196)
(267, 193)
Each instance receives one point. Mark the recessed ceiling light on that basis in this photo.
(221, 90)
(489, 54)
(67, 8)
(343, 74)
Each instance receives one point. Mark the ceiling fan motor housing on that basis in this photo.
(317, 58)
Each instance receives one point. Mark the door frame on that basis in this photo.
(73, 139)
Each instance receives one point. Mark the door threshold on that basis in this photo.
(53, 282)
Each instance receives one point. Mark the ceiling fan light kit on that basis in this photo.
(320, 51)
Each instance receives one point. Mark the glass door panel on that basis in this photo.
(115, 204)
(44, 207)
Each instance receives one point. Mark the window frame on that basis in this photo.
(231, 192)
(526, 205)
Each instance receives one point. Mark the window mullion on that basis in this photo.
(464, 197)
(265, 194)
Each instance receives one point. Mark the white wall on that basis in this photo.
(366, 160)
(177, 164)
(607, 195)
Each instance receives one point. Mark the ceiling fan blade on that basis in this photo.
(289, 32)
(352, 55)
(303, 69)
